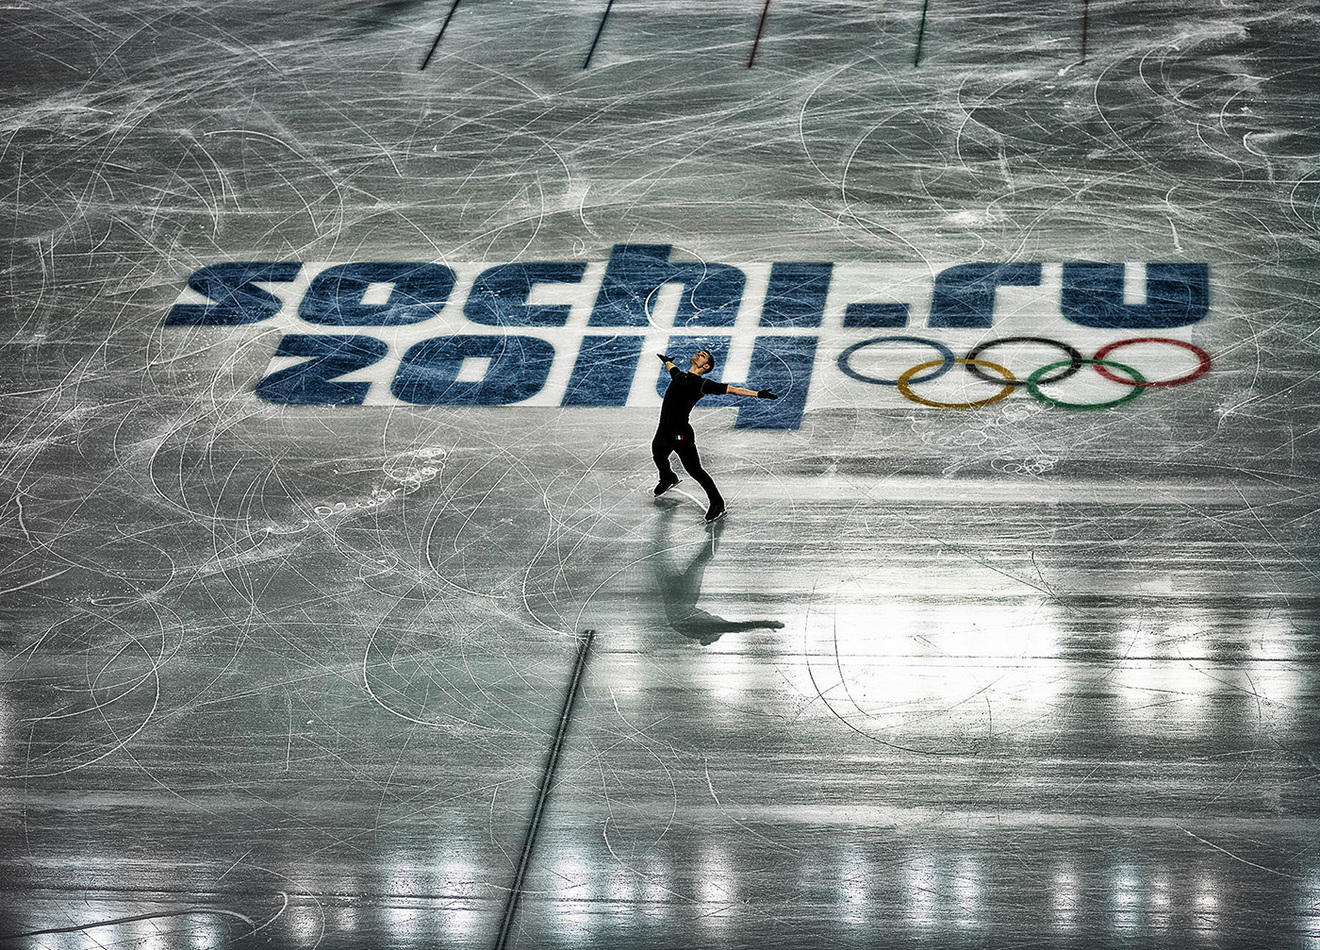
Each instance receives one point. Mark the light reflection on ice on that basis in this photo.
(657, 888)
(572, 876)
(455, 876)
(854, 873)
(899, 662)
(149, 936)
(203, 933)
(1127, 899)
(922, 900)
(406, 921)
(715, 877)
(967, 887)
(1159, 900)
(306, 923)
(460, 918)
(1065, 897)
(623, 886)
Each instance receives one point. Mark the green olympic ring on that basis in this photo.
(1033, 385)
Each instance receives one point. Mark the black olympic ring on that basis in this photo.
(1068, 367)
(1073, 355)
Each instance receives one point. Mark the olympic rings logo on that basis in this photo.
(1050, 373)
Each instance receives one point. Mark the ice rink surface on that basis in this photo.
(283, 675)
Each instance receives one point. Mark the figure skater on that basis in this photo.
(674, 434)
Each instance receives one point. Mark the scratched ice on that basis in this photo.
(289, 674)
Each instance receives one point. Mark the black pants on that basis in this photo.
(681, 442)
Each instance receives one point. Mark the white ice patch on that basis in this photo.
(377, 295)
(473, 370)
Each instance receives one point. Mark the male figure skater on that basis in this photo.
(674, 433)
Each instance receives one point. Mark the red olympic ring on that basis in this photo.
(1202, 368)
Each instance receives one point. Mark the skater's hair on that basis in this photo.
(709, 355)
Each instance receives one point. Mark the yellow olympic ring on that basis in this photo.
(1010, 382)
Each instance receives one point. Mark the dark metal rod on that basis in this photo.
(543, 793)
(759, 28)
(921, 32)
(443, 27)
(599, 30)
(1086, 25)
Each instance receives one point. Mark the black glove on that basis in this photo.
(663, 358)
(766, 394)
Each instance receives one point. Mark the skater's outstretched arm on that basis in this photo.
(761, 394)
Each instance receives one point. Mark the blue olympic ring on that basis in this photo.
(936, 373)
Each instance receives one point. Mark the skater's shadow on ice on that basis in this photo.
(680, 589)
